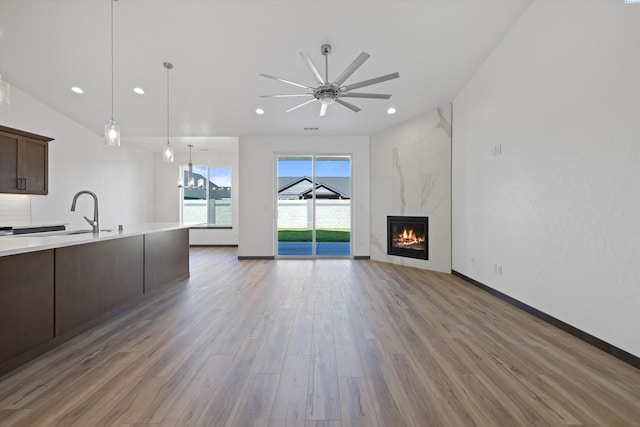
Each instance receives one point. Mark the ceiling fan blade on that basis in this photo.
(366, 95)
(323, 109)
(348, 105)
(301, 105)
(286, 95)
(316, 74)
(351, 69)
(269, 76)
(370, 82)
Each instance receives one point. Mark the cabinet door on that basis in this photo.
(33, 169)
(8, 163)
(24, 162)
(95, 279)
(26, 302)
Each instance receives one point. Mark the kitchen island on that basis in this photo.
(54, 286)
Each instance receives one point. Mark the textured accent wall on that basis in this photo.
(411, 175)
(546, 167)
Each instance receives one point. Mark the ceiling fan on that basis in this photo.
(329, 92)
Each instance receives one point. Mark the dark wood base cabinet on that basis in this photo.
(26, 304)
(95, 278)
(48, 297)
(166, 257)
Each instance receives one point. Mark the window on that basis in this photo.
(209, 200)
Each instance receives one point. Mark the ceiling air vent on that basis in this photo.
(311, 129)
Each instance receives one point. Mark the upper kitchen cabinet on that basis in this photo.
(24, 162)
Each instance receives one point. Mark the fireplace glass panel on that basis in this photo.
(408, 236)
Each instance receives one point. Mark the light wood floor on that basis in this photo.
(321, 343)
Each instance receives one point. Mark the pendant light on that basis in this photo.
(111, 130)
(190, 176)
(4, 96)
(190, 180)
(167, 153)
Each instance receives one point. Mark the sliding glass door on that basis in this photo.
(314, 205)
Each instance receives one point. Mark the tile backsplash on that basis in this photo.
(15, 209)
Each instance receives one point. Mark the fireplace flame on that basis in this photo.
(407, 237)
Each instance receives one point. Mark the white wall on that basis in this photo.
(221, 152)
(257, 179)
(411, 175)
(78, 160)
(558, 209)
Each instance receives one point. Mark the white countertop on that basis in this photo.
(12, 245)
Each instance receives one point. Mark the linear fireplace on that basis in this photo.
(408, 236)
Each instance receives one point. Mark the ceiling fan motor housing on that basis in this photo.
(326, 95)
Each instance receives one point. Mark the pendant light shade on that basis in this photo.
(112, 134)
(111, 130)
(167, 153)
(4, 96)
(190, 176)
(191, 183)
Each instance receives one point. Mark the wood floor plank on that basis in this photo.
(323, 401)
(322, 343)
(224, 401)
(290, 403)
(188, 406)
(387, 405)
(255, 408)
(355, 402)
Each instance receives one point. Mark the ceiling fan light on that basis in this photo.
(327, 100)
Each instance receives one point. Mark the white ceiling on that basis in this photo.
(218, 48)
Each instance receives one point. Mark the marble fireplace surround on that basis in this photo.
(411, 176)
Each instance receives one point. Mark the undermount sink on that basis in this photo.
(68, 232)
(61, 233)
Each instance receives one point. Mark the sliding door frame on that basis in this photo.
(313, 155)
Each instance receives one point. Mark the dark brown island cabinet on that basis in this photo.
(49, 296)
(24, 162)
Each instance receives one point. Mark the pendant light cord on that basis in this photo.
(168, 68)
(112, 1)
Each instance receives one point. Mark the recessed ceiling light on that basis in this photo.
(138, 90)
(77, 89)
(391, 110)
(259, 111)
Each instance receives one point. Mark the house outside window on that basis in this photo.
(211, 204)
